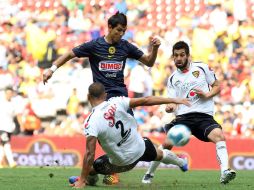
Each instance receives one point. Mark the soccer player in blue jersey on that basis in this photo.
(107, 56)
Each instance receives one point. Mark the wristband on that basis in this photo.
(53, 68)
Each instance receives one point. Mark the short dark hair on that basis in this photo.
(118, 18)
(181, 45)
(96, 90)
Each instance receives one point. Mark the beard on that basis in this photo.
(183, 66)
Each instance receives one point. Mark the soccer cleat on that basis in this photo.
(147, 179)
(227, 176)
(111, 179)
(185, 166)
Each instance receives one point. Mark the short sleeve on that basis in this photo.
(170, 88)
(122, 101)
(210, 75)
(91, 128)
(83, 50)
(134, 52)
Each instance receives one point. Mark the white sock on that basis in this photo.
(222, 155)
(8, 153)
(1, 154)
(171, 158)
(154, 164)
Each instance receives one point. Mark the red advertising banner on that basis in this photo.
(69, 151)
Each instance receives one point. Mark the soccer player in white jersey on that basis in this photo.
(196, 82)
(116, 131)
(7, 126)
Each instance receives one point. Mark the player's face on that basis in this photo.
(180, 58)
(117, 33)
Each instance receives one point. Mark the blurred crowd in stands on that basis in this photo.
(34, 33)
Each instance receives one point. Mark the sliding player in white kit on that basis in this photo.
(196, 82)
(116, 131)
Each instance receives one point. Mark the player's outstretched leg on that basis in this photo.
(168, 158)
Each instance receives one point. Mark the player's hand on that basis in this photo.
(155, 42)
(201, 94)
(170, 108)
(47, 75)
(79, 184)
(185, 101)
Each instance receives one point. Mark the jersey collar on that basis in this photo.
(185, 70)
(99, 106)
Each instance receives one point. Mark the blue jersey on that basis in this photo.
(108, 62)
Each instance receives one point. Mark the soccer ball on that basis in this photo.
(179, 135)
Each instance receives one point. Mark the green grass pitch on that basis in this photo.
(50, 178)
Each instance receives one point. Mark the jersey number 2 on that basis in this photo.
(124, 134)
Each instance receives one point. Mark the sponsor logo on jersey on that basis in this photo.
(192, 95)
(111, 75)
(186, 86)
(111, 49)
(195, 74)
(109, 115)
(110, 66)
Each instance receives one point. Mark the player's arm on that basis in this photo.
(215, 89)
(154, 100)
(64, 58)
(212, 81)
(213, 92)
(149, 59)
(171, 93)
(87, 161)
(58, 63)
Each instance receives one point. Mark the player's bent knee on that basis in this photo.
(217, 138)
(216, 135)
(159, 154)
(167, 145)
(101, 166)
